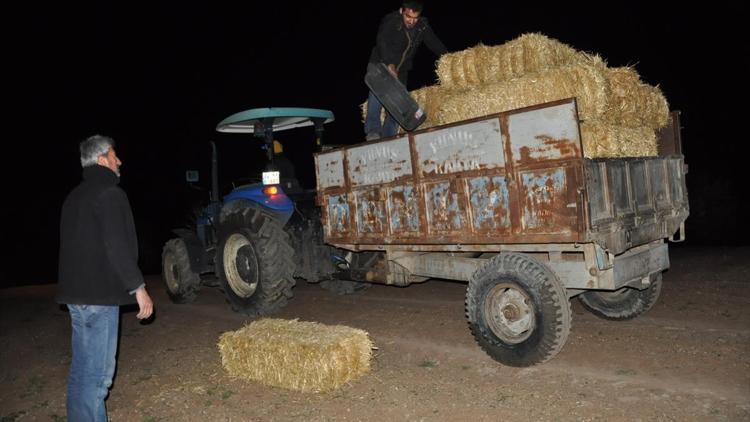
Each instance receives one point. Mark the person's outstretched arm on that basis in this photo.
(145, 304)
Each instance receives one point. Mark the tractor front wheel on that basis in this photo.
(182, 282)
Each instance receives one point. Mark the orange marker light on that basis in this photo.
(271, 190)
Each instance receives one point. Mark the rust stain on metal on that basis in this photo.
(544, 201)
(443, 210)
(404, 216)
(461, 186)
(370, 212)
(338, 214)
(567, 147)
(553, 149)
(489, 200)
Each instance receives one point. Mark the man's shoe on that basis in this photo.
(372, 136)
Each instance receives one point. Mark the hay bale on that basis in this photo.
(629, 103)
(603, 140)
(527, 54)
(586, 82)
(606, 131)
(633, 103)
(429, 98)
(619, 111)
(302, 356)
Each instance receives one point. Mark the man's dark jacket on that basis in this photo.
(98, 245)
(396, 45)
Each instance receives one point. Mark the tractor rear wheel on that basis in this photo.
(254, 262)
(182, 282)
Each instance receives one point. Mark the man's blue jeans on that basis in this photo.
(372, 120)
(94, 344)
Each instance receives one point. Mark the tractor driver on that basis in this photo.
(284, 166)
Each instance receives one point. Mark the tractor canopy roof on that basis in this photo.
(282, 118)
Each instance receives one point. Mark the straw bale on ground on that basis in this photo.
(303, 356)
(527, 54)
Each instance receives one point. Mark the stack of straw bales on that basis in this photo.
(302, 356)
(619, 113)
(527, 54)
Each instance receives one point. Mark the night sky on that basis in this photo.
(159, 78)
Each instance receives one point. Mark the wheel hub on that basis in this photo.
(510, 313)
(240, 265)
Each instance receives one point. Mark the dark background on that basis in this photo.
(159, 78)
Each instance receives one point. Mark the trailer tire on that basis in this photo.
(623, 304)
(254, 262)
(518, 310)
(182, 282)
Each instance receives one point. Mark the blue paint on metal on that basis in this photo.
(338, 213)
(443, 211)
(489, 202)
(370, 213)
(277, 202)
(404, 212)
(541, 190)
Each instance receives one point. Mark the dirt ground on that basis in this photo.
(686, 359)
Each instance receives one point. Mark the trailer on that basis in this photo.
(509, 204)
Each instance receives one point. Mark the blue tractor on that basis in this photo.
(255, 241)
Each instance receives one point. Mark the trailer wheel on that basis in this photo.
(518, 310)
(182, 282)
(623, 304)
(254, 262)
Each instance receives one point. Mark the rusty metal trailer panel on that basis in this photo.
(633, 201)
(517, 177)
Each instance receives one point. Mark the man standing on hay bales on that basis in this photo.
(399, 35)
(98, 273)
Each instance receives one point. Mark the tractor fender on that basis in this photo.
(236, 205)
(199, 261)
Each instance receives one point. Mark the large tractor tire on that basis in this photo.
(518, 310)
(623, 304)
(254, 262)
(182, 283)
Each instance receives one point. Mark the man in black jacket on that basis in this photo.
(98, 272)
(399, 35)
